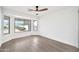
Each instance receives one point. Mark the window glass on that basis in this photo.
(22, 25)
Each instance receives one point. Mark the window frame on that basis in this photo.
(33, 25)
(8, 24)
(24, 22)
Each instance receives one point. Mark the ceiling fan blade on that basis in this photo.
(31, 10)
(43, 9)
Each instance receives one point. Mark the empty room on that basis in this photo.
(39, 29)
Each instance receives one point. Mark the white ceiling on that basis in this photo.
(25, 9)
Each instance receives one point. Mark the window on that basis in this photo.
(6, 25)
(35, 25)
(22, 25)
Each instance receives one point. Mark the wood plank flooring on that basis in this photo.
(36, 43)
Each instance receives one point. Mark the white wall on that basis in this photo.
(0, 25)
(12, 35)
(61, 26)
(0, 21)
(78, 28)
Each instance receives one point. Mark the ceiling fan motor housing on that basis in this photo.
(36, 8)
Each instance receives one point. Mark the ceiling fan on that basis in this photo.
(38, 10)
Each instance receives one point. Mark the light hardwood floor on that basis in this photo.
(36, 43)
